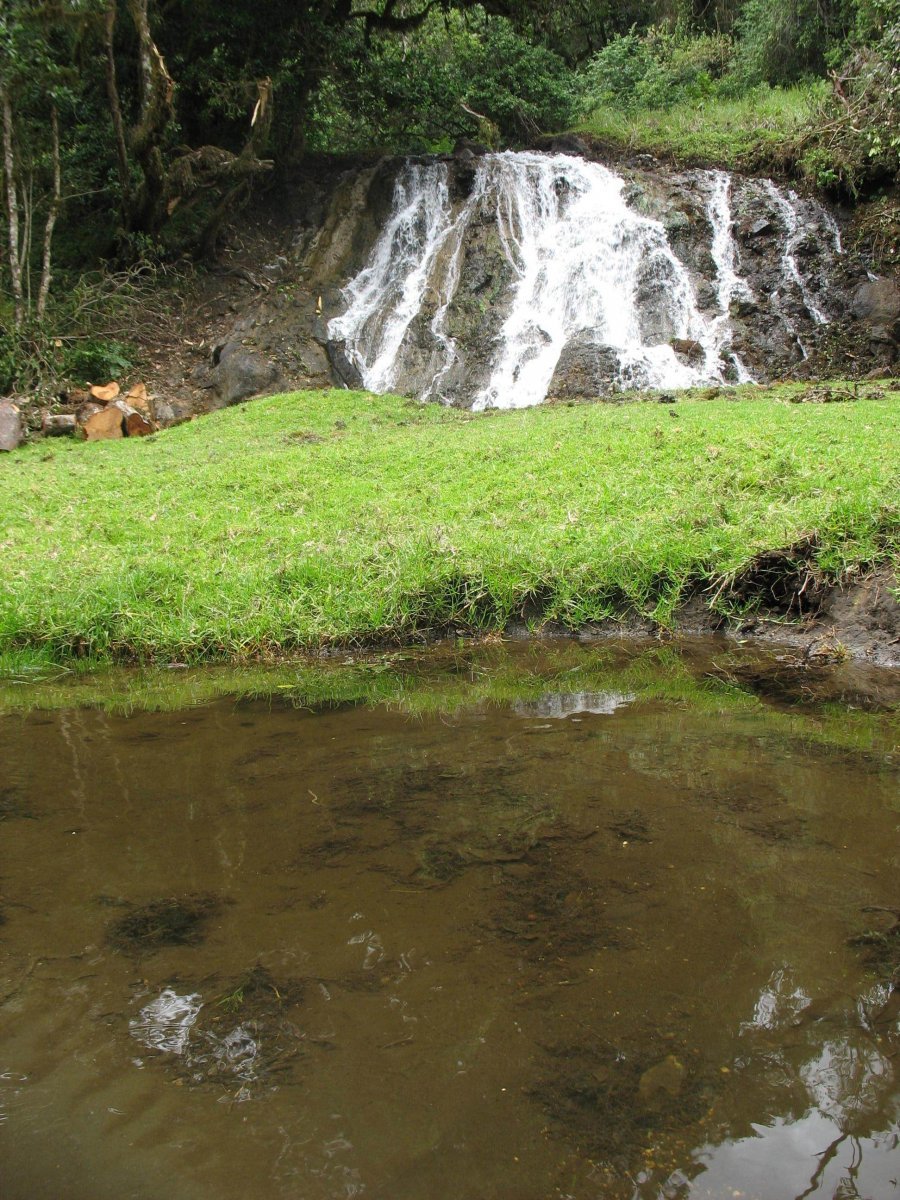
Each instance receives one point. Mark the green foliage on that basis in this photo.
(753, 131)
(782, 41)
(852, 143)
(407, 94)
(96, 360)
(654, 70)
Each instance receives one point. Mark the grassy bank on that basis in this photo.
(753, 132)
(338, 517)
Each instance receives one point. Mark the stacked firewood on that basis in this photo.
(101, 412)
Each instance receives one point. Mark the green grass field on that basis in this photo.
(338, 517)
(752, 132)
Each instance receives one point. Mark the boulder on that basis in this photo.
(345, 372)
(688, 349)
(877, 303)
(11, 429)
(239, 373)
(584, 369)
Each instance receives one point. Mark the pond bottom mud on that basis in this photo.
(532, 921)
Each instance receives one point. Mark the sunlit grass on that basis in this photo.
(749, 132)
(338, 517)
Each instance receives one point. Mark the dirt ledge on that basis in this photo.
(857, 620)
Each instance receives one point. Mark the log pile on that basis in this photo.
(101, 413)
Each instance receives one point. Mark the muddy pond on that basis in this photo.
(507, 922)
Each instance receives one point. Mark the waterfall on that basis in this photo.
(387, 294)
(787, 211)
(547, 264)
(584, 261)
(729, 285)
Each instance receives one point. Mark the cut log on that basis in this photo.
(137, 397)
(136, 424)
(59, 424)
(87, 410)
(105, 393)
(11, 432)
(104, 425)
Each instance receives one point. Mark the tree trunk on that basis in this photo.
(12, 210)
(55, 202)
(105, 424)
(136, 424)
(148, 208)
(115, 110)
(10, 427)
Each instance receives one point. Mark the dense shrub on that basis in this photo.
(654, 70)
(406, 94)
(852, 143)
(782, 41)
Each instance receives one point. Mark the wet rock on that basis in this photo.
(743, 306)
(688, 349)
(877, 303)
(345, 370)
(662, 1082)
(12, 430)
(758, 228)
(239, 373)
(584, 369)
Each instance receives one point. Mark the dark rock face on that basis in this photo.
(876, 305)
(584, 369)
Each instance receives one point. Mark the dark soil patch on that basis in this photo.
(779, 829)
(553, 911)
(781, 583)
(240, 1039)
(631, 827)
(174, 921)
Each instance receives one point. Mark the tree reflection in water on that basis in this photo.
(823, 1079)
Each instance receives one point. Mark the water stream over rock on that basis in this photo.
(528, 275)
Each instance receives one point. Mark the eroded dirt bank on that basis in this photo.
(817, 623)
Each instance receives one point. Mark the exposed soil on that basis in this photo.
(822, 622)
(859, 619)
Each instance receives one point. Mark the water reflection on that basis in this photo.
(448, 958)
(834, 1139)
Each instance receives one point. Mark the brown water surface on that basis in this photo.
(586, 943)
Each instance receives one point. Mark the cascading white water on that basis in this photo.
(729, 285)
(387, 294)
(582, 257)
(587, 270)
(786, 206)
